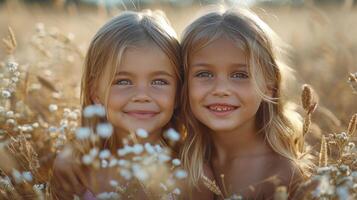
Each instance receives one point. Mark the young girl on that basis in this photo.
(133, 69)
(234, 107)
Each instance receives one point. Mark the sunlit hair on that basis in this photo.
(281, 127)
(104, 55)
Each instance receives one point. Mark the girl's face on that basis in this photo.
(221, 94)
(143, 92)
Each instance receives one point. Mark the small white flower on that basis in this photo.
(99, 110)
(87, 159)
(163, 158)
(35, 125)
(108, 196)
(149, 148)
(176, 191)
(12, 66)
(89, 111)
(141, 175)
(180, 174)
(17, 176)
(93, 152)
(104, 130)
(104, 154)
(138, 149)
(27, 176)
(38, 187)
(126, 150)
(172, 135)
(113, 183)
(113, 162)
(158, 148)
(83, 133)
(142, 133)
(176, 162)
(104, 163)
(125, 174)
(5, 94)
(53, 107)
(123, 163)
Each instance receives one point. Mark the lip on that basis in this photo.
(221, 109)
(141, 114)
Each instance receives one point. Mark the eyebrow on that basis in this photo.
(156, 73)
(234, 65)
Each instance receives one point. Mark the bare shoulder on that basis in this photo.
(201, 191)
(289, 173)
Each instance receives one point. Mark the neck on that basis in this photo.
(239, 143)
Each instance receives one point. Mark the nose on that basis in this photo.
(141, 96)
(221, 87)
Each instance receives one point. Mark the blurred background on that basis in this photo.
(321, 38)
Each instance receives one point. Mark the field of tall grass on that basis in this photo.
(40, 69)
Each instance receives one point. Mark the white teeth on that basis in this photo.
(221, 108)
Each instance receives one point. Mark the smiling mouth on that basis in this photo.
(142, 114)
(221, 109)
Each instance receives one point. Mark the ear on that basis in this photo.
(270, 91)
(94, 97)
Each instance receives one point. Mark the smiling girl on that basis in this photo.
(133, 69)
(235, 108)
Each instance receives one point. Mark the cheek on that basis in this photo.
(166, 98)
(117, 98)
(196, 91)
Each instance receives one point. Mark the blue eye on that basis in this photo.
(204, 75)
(240, 75)
(123, 82)
(159, 82)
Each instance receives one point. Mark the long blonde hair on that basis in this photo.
(107, 47)
(280, 127)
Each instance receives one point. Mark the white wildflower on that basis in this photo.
(53, 107)
(93, 152)
(123, 163)
(180, 174)
(87, 159)
(104, 130)
(149, 148)
(142, 175)
(5, 94)
(142, 133)
(104, 163)
(176, 191)
(126, 174)
(108, 196)
(138, 149)
(164, 158)
(104, 154)
(83, 133)
(12, 66)
(172, 135)
(17, 176)
(113, 183)
(176, 162)
(27, 176)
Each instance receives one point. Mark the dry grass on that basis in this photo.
(41, 63)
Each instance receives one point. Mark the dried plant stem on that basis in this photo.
(323, 157)
(352, 125)
(10, 42)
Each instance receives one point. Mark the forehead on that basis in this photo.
(219, 51)
(145, 59)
